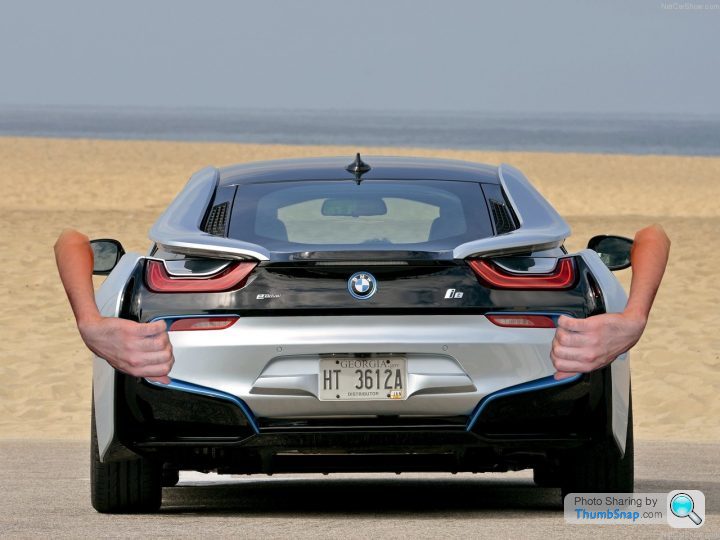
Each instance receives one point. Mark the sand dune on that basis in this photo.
(118, 188)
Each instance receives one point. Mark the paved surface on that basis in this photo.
(44, 492)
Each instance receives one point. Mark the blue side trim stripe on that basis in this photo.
(537, 384)
(184, 386)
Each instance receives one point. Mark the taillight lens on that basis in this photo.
(522, 321)
(232, 277)
(202, 323)
(562, 277)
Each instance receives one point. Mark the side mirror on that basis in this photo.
(106, 254)
(614, 251)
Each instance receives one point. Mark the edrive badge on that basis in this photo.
(362, 285)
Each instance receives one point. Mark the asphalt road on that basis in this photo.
(44, 492)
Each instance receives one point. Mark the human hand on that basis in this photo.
(582, 345)
(138, 349)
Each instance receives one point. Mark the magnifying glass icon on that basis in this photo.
(681, 505)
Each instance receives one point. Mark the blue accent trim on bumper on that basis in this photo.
(184, 386)
(537, 384)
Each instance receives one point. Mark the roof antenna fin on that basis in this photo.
(358, 168)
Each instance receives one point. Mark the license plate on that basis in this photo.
(363, 379)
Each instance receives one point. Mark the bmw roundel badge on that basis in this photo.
(362, 285)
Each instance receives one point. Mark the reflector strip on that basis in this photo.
(562, 277)
(202, 323)
(522, 321)
(232, 277)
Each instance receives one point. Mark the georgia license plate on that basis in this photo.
(356, 378)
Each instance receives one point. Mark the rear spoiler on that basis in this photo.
(541, 227)
(178, 228)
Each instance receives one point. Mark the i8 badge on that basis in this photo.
(362, 285)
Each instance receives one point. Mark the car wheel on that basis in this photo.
(127, 486)
(170, 477)
(546, 477)
(600, 468)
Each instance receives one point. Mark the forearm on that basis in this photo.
(582, 345)
(649, 258)
(74, 258)
(139, 349)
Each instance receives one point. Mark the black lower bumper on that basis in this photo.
(516, 431)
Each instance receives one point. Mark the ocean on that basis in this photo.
(624, 134)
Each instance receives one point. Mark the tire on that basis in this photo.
(600, 468)
(170, 477)
(546, 477)
(123, 487)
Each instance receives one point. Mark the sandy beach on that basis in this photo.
(118, 188)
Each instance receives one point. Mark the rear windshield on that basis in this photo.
(342, 215)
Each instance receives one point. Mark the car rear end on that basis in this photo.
(362, 338)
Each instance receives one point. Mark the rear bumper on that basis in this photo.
(272, 363)
(515, 428)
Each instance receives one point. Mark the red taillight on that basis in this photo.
(562, 277)
(522, 321)
(232, 277)
(202, 323)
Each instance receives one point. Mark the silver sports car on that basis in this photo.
(389, 314)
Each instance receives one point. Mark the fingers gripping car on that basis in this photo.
(393, 314)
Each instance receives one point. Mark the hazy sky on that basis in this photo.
(524, 55)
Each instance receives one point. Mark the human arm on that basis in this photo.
(138, 349)
(582, 345)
